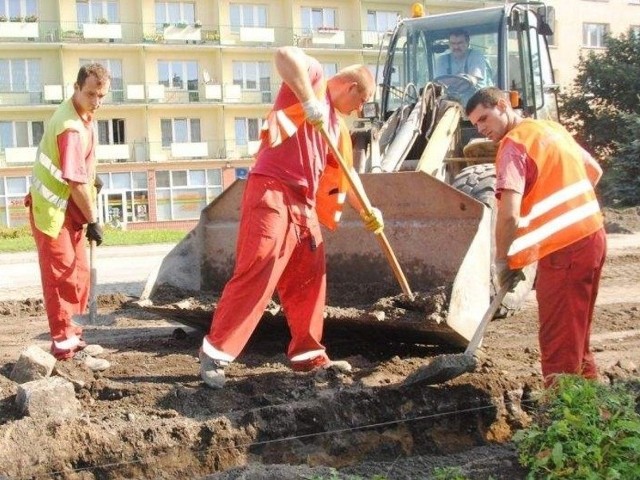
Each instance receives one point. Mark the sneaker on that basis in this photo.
(94, 350)
(212, 371)
(92, 363)
(341, 366)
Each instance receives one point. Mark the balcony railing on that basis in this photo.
(182, 33)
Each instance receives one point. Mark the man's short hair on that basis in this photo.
(460, 32)
(487, 97)
(360, 74)
(95, 69)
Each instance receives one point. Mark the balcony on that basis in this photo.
(19, 29)
(373, 39)
(112, 153)
(102, 31)
(20, 155)
(257, 34)
(182, 33)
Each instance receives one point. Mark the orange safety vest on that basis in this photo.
(333, 186)
(561, 207)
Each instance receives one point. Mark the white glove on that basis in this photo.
(315, 111)
(373, 222)
(503, 274)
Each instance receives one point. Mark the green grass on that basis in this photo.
(20, 239)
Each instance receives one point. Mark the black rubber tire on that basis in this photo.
(479, 181)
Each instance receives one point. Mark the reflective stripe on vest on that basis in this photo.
(48, 195)
(561, 207)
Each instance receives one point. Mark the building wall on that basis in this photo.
(61, 43)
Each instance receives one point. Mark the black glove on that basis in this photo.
(94, 232)
(98, 184)
(503, 274)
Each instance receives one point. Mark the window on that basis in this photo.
(314, 18)
(20, 75)
(116, 90)
(181, 75)
(593, 34)
(180, 130)
(247, 129)
(93, 11)
(381, 21)
(136, 191)
(247, 16)
(18, 8)
(111, 132)
(329, 69)
(12, 192)
(175, 12)
(182, 194)
(20, 134)
(252, 75)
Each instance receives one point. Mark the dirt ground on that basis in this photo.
(149, 415)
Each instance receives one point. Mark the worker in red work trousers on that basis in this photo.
(61, 201)
(294, 185)
(547, 212)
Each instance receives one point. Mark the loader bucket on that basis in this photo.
(440, 236)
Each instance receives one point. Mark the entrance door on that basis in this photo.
(112, 208)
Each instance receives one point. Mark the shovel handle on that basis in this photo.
(368, 209)
(93, 307)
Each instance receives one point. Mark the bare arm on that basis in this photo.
(292, 65)
(507, 221)
(81, 195)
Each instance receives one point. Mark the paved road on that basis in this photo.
(119, 269)
(125, 269)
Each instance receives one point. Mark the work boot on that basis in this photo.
(341, 366)
(212, 371)
(92, 363)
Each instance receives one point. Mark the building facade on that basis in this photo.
(191, 82)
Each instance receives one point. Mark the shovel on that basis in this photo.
(92, 317)
(358, 189)
(447, 367)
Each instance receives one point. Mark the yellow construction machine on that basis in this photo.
(421, 165)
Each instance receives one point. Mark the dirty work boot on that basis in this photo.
(92, 363)
(341, 366)
(212, 371)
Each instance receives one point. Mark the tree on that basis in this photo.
(602, 108)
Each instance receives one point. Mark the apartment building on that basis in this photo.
(192, 80)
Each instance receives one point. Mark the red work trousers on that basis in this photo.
(64, 273)
(566, 289)
(279, 248)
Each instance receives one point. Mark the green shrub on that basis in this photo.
(585, 430)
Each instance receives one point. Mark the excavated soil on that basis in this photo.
(149, 415)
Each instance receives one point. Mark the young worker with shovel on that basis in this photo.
(547, 212)
(61, 200)
(293, 186)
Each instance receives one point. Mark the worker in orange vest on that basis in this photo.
(293, 186)
(547, 213)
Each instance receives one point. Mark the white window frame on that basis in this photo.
(247, 68)
(190, 122)
(329, 18)
(21, 87)
(183, 13)
(390, 20)
(258, 18)
(183, 71)
(30, 136)
(26, 8)
(211, 190)
(99, 9)
(589, 30)
(246, 122)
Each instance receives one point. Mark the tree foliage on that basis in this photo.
(602, 108)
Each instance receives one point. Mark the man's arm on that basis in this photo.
(81, 195)
(292, 65)
(507, 221)
(72, 159)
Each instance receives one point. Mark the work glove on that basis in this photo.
(98, 184)
(94, 232)
(315, 112)
(503, 274)
(373, 222)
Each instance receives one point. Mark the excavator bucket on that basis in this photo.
(440, 236)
